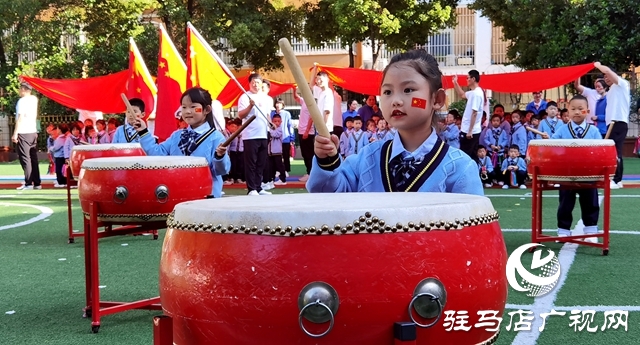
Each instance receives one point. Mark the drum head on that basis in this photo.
(107, 147)
(345, 213)
(143, 162)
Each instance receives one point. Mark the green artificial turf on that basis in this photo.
(47, 294)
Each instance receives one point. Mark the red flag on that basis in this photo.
(231, 93)
(419, 103)
(172, 78)
(205, 68)
(140, 84)
(73, 93)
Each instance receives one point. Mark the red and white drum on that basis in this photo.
(134, 189)
(81, 152)
(572, 160)
(331, 268)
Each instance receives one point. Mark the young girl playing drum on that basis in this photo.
(199, 139)
(416, 159)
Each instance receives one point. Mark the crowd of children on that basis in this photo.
(63, 137)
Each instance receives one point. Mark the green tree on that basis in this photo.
(398, 24)
(554, 33)
(250, 28)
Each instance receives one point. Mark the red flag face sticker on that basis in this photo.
(418, 103)
(198, 110)
(584, 112)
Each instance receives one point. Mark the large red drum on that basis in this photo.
(134, 189)
(81, 152)
(572, 160)
(332, 268)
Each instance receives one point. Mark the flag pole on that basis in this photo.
(227, 71)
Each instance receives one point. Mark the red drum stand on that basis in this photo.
(538, 186)
(95, 308)
(72, 235)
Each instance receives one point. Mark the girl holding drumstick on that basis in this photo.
(416, 159)
(200, 139)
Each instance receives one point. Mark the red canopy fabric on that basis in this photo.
(93, 94)
(368, 81)
(231, 93)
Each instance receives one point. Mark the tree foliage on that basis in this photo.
(554, 33)
(397, 24)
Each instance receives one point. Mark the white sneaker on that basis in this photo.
(504, 186)
(23, 187)
(226, 183)
(272, 185)
(253, 193)
(591, 239)
(523, 186)
(56, 185)
(277, 174)
(279, 183)
(500, 183)
(239, 181)
(614, 185)
(304, 178)
(561, 235)
(37, 187)
(266, 186)
(286, 173)
(488, 185)
(556, 186)
(263, 192)
(620, 185)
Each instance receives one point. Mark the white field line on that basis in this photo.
(545, 303)
(597, 308)
(45, 212)
(617, 232)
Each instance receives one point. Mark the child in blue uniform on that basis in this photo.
(495, 141)
(451, 132)
(514, 169)
(416, 159)
(518, 135)
(578, 128)
(200, 139)
(485, 167)
(127, 133)
(358, 138)
(551, 123)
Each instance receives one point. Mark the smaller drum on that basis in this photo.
(572, 160)
(81, 152)
(135, 189)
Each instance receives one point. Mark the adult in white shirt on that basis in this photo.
(25, 135)
(254, 137)
(325, 99)
(592, 95)
(617, 114)
(471, 125)
(306, 134)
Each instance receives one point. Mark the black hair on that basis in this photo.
(75, 126)
(202, 97)
(351, 101)
(87, 129)
(266, 82)
(348, 119)
(602, 83)
(322, 74)
(536, 117)
(279, 100)
(63, 128)
(552, 104)
(255, 76)
(496, 115)
(454, 112)
(276, 115)
(357, 118)
(481, 147)
(475, 75)
(498, 106)
(376, 115)
(514, 147)
(421, 61)
(579, 98)
(101, 122)
(137, 102)
(541, 113)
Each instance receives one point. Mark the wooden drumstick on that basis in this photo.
(298, 75)
(535, 131)
(609, 129)
(131, 116)
(238, 131)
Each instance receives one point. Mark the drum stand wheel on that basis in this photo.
(71, 240)
(95, 329)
